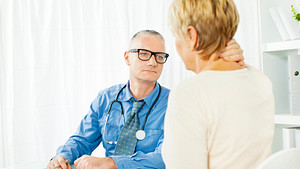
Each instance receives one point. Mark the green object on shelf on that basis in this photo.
(296, 14)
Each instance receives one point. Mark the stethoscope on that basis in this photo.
(140, 134)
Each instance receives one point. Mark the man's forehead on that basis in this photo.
(148, 41)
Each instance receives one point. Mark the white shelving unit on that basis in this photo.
(287, 46)
(287, 120)
(274, 64)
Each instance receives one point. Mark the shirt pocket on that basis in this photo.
(111, 132)
(111, 125)
(149, 143)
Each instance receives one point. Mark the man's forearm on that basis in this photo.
(140, 160)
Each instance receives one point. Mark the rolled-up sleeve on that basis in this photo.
(86, 138)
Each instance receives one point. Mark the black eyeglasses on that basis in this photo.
(144, 55)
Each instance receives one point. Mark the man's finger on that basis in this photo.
(63, 164)
(50, 165)
(69, 166)
(55, 165)
(76, 162)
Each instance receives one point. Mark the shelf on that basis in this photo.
(287, 119)
(291, 46)
(274, 64)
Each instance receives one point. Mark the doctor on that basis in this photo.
(112, 108)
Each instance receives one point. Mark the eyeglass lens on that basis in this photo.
(145, 55)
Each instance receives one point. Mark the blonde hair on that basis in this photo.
(216, 22)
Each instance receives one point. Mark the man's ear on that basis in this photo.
(192, 37)
(126, 57)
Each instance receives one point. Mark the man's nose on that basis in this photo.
(152, 61)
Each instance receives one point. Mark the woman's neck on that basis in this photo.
(215, 64)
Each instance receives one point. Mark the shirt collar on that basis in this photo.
(149, 99)
(152, 96)
(125, 94)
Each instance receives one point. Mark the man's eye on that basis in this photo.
(144, 54)
(160, 57)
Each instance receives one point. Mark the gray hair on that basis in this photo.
(147, 32)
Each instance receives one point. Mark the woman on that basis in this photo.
(222, 117)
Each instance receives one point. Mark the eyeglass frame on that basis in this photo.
(152, 53)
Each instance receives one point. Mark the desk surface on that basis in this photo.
(32, 165)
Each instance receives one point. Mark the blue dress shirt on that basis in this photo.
(91, 130)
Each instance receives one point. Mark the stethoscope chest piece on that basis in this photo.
(140, 134)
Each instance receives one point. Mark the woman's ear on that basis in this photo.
(126, 57)
(192, 37)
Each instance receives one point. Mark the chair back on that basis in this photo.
(284, 159)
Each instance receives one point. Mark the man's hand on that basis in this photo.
(58, 161)
(233, 52)
(88, 162)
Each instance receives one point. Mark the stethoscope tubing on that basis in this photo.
(122, 111)
(159, 91)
